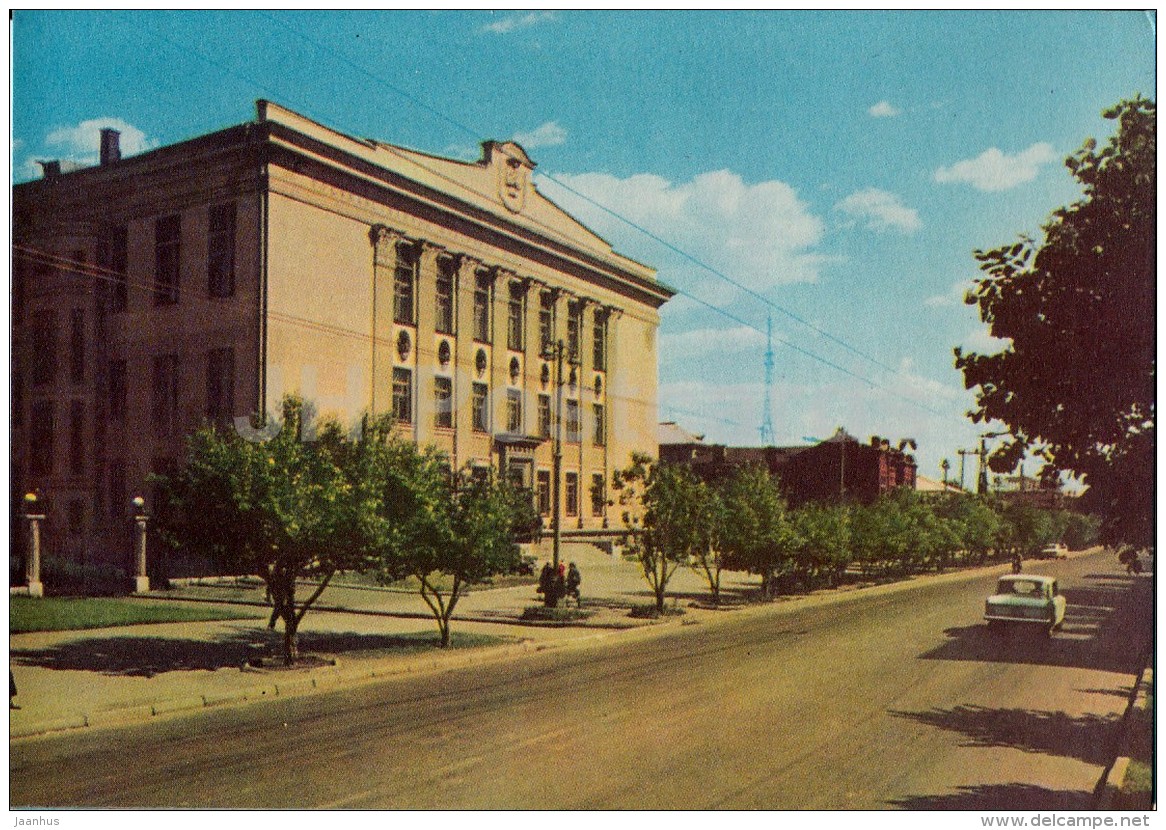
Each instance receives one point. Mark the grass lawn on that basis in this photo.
(61, 614)
(1137, 788)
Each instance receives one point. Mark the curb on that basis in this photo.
(324, 679)
(1114, 776)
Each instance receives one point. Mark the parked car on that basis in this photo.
(1054, 551)
(1026, 599)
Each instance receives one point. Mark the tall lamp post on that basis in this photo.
(554, 351)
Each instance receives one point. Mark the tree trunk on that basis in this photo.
(445, 637)
(291, 642)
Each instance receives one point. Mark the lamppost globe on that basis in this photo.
(30, 499)
(139, 503)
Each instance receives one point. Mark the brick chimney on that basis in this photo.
(110, 146)
(50, 169)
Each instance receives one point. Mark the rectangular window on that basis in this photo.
(544, 492)
(117, 391)
(598, 494)
(599, 349)
(544, 416)
(167, 256)
(77, 348)
(220, 253)
(444, 296)
(572, 494)
(40, 439)
(515, 314)
(112, 259)
(404, 278)
(76, 518)
(479, 407)
(443, 402)
(17, 399)
(117, 489)
(574, 317)
(546, 320)
(165, 395)
(44, 347)
(77, 437)
(513, 411)
(402, 395)
(600, 426)
(482, 308)
(572, 424)
(220, 384)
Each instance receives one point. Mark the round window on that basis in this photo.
(443, 353)
(545, 376)
(480, 362)
(404, 345)
(514, 370)
(598, 385)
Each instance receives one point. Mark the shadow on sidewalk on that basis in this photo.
(149, 656)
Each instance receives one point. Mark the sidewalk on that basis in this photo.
(116, 676)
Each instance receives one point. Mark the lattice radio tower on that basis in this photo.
(766, 429)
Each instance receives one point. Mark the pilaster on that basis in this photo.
(425, 297)
(499, 355)
(384, 243)
(464, 374)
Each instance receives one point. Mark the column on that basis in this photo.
(384, 242)
(499, 356)
(532, 361)
(463, 377)
(425, 299)
(559, 399)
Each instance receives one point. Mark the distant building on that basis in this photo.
(838, 468)
(204, 280)
(1023, 489)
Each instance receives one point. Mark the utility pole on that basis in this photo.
(963, 454)
(945, 465)
(766, 430)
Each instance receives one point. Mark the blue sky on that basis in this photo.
(841, 165)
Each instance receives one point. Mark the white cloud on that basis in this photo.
(880, 210)
(994, 170)
(884, 109)
(761, 235)
(82, 142)
(981, 341)
(545, 135)
(518, 21)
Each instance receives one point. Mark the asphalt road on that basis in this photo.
(897, 700)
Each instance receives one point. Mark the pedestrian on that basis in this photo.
(12, 690)
(1016, 563)
(546, 580)
(574, 580)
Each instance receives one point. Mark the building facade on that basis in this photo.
(839, 468)
(207, 279)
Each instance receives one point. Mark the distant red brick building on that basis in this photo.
(840, 467)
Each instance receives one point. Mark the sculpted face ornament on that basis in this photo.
(513, 170)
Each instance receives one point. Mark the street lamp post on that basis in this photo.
(34, 517)
(554, 351)
(141, 578)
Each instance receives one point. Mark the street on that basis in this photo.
(895, 698)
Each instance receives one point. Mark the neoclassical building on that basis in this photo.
(207, 279)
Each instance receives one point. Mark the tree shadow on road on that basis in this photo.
(131, 656)
(1106, 627)
(999, 797)
(1089, 738)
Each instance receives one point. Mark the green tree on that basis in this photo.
(449, 536)
(709, 558)
(760, 536)
(975, 523)
(1075, 386)
(823, 533)
(663, 504)
(282, 508)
